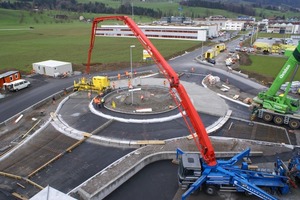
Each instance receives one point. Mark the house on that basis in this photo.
(9, 76)
(52, 68)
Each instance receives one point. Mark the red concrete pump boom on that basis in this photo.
(190, 115)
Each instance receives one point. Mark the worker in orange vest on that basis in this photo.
(97, 101)
(119, 76)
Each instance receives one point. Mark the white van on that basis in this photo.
(16, 85)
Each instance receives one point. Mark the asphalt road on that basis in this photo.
(43, 87)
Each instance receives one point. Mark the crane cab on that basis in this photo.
(189, 169)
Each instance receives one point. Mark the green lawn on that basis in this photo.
(267, 66)
(70, 42)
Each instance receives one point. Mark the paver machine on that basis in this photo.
(270, 105)
(207, 170)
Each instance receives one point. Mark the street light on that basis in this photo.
(131, 46)
(132, 15)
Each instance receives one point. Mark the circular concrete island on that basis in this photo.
(149, 99)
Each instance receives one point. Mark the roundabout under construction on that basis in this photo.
(76, 132)
(88, 150)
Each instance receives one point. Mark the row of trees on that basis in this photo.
(236, 8)
(125, 7)
(72, 5)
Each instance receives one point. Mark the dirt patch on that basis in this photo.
(100, 67)
(245, 59)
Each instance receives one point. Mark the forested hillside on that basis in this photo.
(290, 3)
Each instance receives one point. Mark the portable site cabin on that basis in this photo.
(52, 68)
(210, 53)
(9, 76)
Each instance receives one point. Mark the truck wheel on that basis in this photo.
(211, 190)
(294, 124)
(278, 120)
(267, 117)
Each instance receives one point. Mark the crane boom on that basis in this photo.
(202, 141)
(286, 70)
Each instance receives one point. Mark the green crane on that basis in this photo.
(280, 108)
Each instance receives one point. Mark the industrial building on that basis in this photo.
(161, 32)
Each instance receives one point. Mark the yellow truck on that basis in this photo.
(262, 47)
(97, 83)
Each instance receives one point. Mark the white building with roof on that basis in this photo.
(52, 68)
(159, 32)
(233, 25)
(283, 28)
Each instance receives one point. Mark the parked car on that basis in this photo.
(231, 51)
(212, 61)
(17, 85)
(237, 48)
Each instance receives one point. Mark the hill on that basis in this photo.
(285, 3)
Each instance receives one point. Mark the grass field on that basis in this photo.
(23, 46)
(69, 41)
(267, 66)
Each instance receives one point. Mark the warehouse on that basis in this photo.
(53, 68)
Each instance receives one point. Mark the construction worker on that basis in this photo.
(119, 76)
(97, 101)
(53, 100)
(165, 82)
(102, 102)
(127, 74)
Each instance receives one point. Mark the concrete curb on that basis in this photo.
(132, 120)
(219, 123)
(60, 125)
(235, 101)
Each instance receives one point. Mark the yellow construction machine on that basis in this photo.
(96, 83)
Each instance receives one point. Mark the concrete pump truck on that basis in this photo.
(204, 170)
(280, 108)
